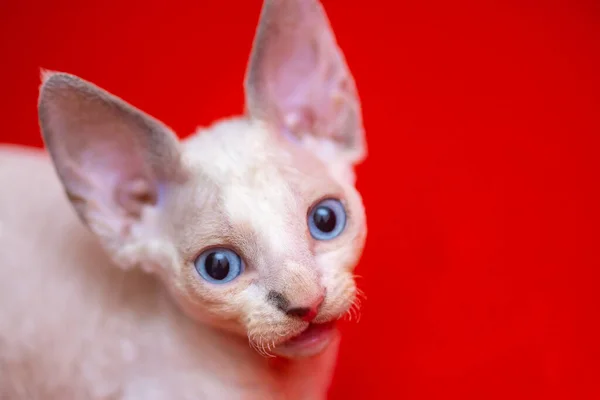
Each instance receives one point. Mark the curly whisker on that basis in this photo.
(361, 294)
(356, 306)
(259, 345)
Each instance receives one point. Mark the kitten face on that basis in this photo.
(253, 224)
(253, 194)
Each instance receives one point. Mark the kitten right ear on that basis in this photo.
(297, 80)
(113, 160)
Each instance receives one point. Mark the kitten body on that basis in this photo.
(74, 326)
(105, 290)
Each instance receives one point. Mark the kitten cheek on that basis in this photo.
(211, 304)
(341, 260)
(212, 310)
(342, 295)
(341, 290)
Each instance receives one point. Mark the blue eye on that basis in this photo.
(327, 220)
(219, 265)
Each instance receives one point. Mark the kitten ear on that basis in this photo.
(114, 161)
(298, 81)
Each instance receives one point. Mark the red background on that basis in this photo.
(481, 263)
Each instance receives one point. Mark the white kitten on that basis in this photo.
(180, 267)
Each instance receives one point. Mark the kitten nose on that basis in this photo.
(307, 314)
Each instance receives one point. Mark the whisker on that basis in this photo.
(257, 343)
(270, 347)
(254, 346)
(361, 294)
(354, 311)
(348, 314)
(355, 315)
(357, 308)
(263, 346)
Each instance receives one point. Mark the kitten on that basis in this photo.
(178, 269)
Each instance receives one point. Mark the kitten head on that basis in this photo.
(253, 224)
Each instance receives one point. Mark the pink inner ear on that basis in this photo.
(298, 80)
(134, 194)
(100, 151)
(290, 72)
(108, 154)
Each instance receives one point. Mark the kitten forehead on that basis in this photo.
(265, 209)
(254, 190)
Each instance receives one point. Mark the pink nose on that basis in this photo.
(307, 314)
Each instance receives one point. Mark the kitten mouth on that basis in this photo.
(310, 342)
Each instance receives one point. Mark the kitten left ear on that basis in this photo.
(298, 81)
(114, 161)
